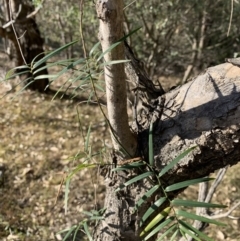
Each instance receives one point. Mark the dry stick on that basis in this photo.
(14, 30)
(206, 195)
(230, 20)
(129, 4)
(216, 183)
(226, 214)
(64, 174)
(32, 14)
(81, 28)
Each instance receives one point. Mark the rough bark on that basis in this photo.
(29, 38)
(110, 14)
(204, 112)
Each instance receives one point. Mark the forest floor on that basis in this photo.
(40, 142)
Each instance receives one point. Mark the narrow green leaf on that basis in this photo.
(175, 161)
(76, 62)
(96, 46)
(37, 58)
(18, 68)
(8, 76)
(25, 86)
(158, 218)
(180, 185)
(129, 166)
(67, 229)
(95, 212)
(63, 63)
(189, 232)
(196, 231)
(183, 234)
(68, 233)
(189, 215)
(85, 227)
(97, 218)
(129, 34)
(150, 145)
(86, 144)
(66, 195)
(84, 80)
(99, 87)
(77, 156)
(53, 53)
(76, 231)
(135, 179)
(190, 203)
(159, 227)
(152, 209)
(90, 152)
(171, 229)
(87, 213)
(21, 67)
(108, 50)
(46, 76)
(147, 195)
(114, 62)
(117, 43)
(79, 168)
(63, 71)
(174, 235)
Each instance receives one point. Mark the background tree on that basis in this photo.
(184, 43)
(25, 37)
(181, 41)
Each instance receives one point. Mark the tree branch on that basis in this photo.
(203, 112)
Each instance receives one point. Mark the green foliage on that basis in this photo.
(83, 70)
(59, 25)
(83, 226)
(165, 215)
(174, 34)
(87, 159)
(37, 3)
(178, 33)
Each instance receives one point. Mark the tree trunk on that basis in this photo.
(110, 14)
(30, 40)
(204, 112)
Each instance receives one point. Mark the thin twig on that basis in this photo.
(206, 195)
(32, 14)
(216, 183)
(129, 4)
(81, 28)
(14, 30)
(230, 20)
(226, 214)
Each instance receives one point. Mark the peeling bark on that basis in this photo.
(204, 112)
